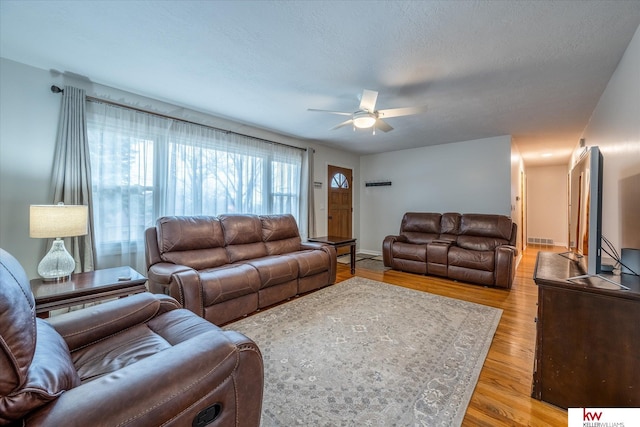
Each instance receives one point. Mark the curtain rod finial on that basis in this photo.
(56, 89)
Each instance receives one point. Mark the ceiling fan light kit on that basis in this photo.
(367, 116)
(364, 120)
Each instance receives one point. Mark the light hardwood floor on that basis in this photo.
(503, 394)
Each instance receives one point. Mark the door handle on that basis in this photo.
(330, 217)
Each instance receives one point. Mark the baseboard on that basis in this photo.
(366, 252)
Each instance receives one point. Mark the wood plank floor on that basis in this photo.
(503, 394)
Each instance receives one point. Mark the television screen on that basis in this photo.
(585, 210)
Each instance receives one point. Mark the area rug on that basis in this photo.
(365, 353)
(370, 262)
(346, 258)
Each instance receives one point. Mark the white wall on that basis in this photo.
(29, 114)
(518, 194)
(615, 127)
(547, 202)
(467, 177)
(28, 125)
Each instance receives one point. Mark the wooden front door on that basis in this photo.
(340, 199)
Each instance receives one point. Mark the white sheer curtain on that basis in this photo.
(145, 166)
(307, 223)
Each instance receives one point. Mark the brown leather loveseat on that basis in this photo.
(225, 267)
(136, 361)
(475, 248)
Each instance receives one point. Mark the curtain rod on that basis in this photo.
(56, 89)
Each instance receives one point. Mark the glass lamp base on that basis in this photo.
(58, 264)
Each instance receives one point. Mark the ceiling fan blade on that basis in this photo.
(397, 112)
(368, 101)
(330, 112)
(345, 123)
(383, 126)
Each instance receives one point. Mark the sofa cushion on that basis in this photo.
(311, 262)
(450, 226)
(497, 226)
(276, 269)
(409, 251)
(188, 233)
(284, 246)
(473, 259)
(278, 227)
(228, 282)
(196, 242)
(475, 243)
(484, 232)
(241, 229)
(120, 350)
(243, 237)
(197, 259)
(280, 234)
(420, 227)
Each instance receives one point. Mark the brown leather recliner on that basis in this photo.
(475, 248)
(136, 361)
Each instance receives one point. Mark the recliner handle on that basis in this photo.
(207, 415)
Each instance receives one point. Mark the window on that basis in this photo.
(339, 181)
(145, 167)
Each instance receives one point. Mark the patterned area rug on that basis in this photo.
(364, 353)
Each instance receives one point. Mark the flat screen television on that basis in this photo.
(585, 211)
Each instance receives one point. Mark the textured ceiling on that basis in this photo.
(531, 69)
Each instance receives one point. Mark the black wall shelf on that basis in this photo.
(377, 183)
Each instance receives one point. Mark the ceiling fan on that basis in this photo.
(368, 117)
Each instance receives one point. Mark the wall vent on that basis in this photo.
(540, 241)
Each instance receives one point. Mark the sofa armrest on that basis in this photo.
(186, 287)
(331, 251)
(83, 327)
(217, 367)
(333, 256)
(505, 268)
(159, 276)
(151, 252)
(311, 245)
(387, 244)
(167, 303)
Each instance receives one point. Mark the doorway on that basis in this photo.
(340, 195)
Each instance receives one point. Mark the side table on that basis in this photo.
(338, 242)
(83, 288)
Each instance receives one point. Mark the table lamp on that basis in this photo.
(57, 221)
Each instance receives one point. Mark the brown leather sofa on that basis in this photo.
(225, 267)
(475, 248)
(135, 361)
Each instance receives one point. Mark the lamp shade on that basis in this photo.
(49, 221)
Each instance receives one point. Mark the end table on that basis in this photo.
(83, 288)
(338, 242)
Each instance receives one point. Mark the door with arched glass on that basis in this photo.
(340, 194)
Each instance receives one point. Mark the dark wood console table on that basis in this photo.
(588, 337)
